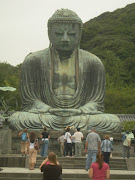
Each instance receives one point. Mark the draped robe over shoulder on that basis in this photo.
(36, 82)
(37, 93)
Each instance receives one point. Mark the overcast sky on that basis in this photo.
(23, 23)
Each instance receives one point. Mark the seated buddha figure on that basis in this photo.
(63, 85)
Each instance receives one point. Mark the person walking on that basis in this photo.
(111, 140)
(126, 145)
(45, 142)
(106, 148)
(61, 140)
(99, 170)
(51, 170)
(24, 141)
(92, 146)
(68, 142)
(32, 150)
(78, 136)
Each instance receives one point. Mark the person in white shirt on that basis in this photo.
(78, 136)
(32, 150)
(126, 145)
(67, 139)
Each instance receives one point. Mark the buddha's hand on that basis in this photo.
(90, 110)
(39, 107)
(65, 112)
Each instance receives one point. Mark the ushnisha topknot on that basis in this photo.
(65, 15)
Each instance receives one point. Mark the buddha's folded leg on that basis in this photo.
(102, 122)
(21, 120)
(59, 122)
(105, 123)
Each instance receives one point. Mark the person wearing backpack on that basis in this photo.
(126, 145)
(24, 139)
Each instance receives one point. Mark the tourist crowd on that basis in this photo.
(98, 152)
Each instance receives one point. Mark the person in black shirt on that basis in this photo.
(51, 170)
(45, 139)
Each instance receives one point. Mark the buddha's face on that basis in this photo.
(64, 36)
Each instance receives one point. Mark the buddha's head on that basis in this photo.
(64, 30)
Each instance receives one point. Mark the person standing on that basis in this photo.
(67, 139)
(73, 145)
(72, 131)
(78, 136)
(99, 170)
(111, 140)
(45, 142)
(32, 150)
(92, 146)
(61, 140)
(24, 141)
(106, 148)
(126, 145)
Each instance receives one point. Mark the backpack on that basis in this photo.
(24, 136)
(124, 137)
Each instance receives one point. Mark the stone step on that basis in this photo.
(79, 163)
(73, 159)
(81, 166)
(3, 178)
(83, 162)
(38, 176)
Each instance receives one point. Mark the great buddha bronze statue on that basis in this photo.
(63, 85)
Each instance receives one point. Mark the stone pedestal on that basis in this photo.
(6, 137)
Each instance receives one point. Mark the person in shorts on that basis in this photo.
(24, 141)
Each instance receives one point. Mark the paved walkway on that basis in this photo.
(64, 171)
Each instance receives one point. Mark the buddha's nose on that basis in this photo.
(65, 37)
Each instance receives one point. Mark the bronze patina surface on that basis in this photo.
(63, 85)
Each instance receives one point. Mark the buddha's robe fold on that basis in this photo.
(36, 83)
(37, 95)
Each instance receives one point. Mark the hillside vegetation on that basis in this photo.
(110, 36)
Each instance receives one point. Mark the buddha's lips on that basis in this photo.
(65, 44)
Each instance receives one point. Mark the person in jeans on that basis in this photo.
(78, 136)
(92, 146)
(32, 151)
(67, 138)
(126, 145)
(106, 148)
(99, 170)
(45, 140)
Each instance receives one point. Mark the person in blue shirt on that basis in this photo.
(24, 141)
(106, 148)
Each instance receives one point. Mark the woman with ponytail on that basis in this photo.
(99, 170)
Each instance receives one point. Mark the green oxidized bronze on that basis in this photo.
(63, 85)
